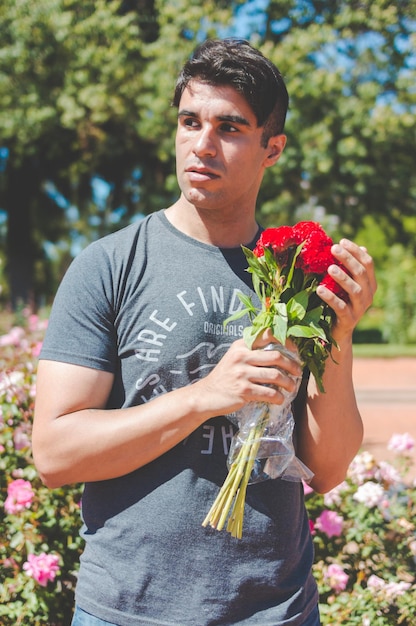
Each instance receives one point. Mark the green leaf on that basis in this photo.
(292, 266)
(250, 334)
(300, 331)
(297, 305)
(258, 286)
(280, 322)
(305, 331)
(313, 316)
(319, 331)
(246, 300)
(236, 316)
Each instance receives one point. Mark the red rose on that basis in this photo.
(278, 239)
(315, 256)
(302, 230)
(258, 250)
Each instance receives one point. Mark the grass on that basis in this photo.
(384, 350)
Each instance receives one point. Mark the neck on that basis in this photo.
(223, 229)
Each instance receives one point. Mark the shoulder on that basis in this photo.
(116, 248)
(126, 237)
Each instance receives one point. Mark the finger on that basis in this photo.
(277, 360)
(337, 304)
(360, 296)
(275, 378)
(349, 284)
(356, 260)
(361, 284)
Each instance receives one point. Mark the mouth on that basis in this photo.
(200, 174)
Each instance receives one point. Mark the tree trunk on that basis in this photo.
(21, 191)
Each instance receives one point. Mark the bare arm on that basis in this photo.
(331, 431)
(75, 439)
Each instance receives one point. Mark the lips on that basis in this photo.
(200, 174)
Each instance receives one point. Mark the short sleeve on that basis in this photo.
(81, 325)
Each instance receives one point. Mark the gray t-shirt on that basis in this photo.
(148, 304)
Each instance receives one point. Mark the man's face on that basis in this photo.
(219, 157)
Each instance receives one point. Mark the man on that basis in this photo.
(137, 375)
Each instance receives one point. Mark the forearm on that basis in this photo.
(77, 439)
(330, 431)
(99, 444)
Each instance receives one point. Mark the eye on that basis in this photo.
(190, 122)
(226, 127)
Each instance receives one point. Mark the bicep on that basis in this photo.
(63, 388)
(64, 392)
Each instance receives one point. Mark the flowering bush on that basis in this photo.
(39, 542)
(364, 531)
(364, 534)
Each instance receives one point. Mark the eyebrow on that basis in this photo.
(232, 119)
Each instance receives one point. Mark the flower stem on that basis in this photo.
(235, 486)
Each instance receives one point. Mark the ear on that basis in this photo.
(274, 149)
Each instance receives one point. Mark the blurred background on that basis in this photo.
(86, 131)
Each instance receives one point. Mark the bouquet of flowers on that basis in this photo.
(287, 265)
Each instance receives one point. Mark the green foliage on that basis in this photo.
(351, 132)
(397, 288)
(85, 90)
(393, 315)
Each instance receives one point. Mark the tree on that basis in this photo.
(350, 71)
(84, 90)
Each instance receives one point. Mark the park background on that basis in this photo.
(87, 147)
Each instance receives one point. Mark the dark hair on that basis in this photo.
(236, 63)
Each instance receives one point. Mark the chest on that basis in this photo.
(170, 327)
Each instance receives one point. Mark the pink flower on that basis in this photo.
(362, 468)
(390, 590)
(33, 322)
(42, 568)
(36, 349)
(388, 473)
(10, 380)
(21, 438)
(393, 590)
(307, 489)
(401, 443)
(19, 496)
(330, 523)
(10, 563)
(336, 577)
(13, 337)
(370, 494)
(375, 582)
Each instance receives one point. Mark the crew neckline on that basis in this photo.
(202, 244)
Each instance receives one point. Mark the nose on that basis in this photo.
(205, 142)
